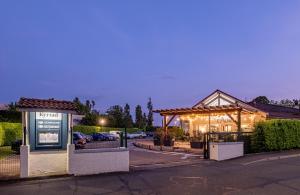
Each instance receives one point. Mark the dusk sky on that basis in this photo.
(176, 52)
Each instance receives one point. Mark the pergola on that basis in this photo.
(227, 110)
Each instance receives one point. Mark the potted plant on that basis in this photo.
(196, 142)
(157, 139)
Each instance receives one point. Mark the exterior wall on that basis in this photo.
(95, 161)
(47, 163)
(225, 150)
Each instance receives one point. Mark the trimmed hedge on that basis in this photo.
(10, 132)
(94, 129)
(274, 135)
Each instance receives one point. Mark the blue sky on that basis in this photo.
(126, 51)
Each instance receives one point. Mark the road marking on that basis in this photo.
(167, 153)
(165, 164)
(272, 159)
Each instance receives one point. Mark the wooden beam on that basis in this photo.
(167, 124)
(236, 122)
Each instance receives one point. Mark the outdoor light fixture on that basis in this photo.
(102, 121)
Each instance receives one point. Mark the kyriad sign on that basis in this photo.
(48, 116)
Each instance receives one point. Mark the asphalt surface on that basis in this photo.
(240, 176)
(141, 159)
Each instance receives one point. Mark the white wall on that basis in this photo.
(225, 150)
(95, 161)
(45, 163)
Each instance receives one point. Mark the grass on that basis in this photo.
(5, 151)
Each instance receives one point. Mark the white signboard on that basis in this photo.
(48, 138)
(48, 116)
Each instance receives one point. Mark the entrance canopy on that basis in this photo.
(199, 110)
(217, 112)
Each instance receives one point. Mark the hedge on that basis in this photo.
(274, 135)
(94, 129)
(10, 132)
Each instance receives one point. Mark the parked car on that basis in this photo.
(150, 133)
(88, 138)
(111, 137)
(139, 134)
(100, 137)
(78, 140)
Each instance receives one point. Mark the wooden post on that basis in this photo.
(239, 125)
(209, 122)
(239, 121)
(165, 125)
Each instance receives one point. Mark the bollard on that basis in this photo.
(121, 139)
(125, 137)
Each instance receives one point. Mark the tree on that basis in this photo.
(150, 115)
(91, 115)
(261, 100)
(80, 107)
(138, 117)
(115, 116)
(287, 102)
(12, 106)
(127, 117)
(90, 119)
(144, 123)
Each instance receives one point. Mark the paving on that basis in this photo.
(154, 172)
(281, 176)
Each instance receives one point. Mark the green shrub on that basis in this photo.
(10, 132)
(94, 129)
(275, 135)
(174, 132)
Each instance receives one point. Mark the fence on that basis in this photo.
(9, 163)
(227, 137)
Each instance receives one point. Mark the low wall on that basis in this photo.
(42, 163)
(45, 163)
(95, 161)
(225, 150)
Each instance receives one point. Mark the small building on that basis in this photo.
(47, 130)
(47, 146)
(222, 112)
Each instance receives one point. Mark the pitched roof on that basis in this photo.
(277, 111)
(236, 101)
(46, 104)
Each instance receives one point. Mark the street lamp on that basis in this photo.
(102, 122)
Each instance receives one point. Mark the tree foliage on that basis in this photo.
(150, 115)
(139, 122)
(115, 116)
(261, 100)
(91, 115)
(128, 123)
